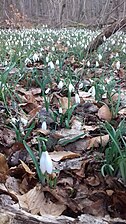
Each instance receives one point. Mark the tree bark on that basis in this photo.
(107, 33)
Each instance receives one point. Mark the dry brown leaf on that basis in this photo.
(27, 169)
(62, 155)
(76, 124)
(99, 140)
(104, 113)
(90, 127)
(64, 104)
(93, 181)
(3, 168)
(122, 111)
(35, 202)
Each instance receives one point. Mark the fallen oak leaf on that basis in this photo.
(62, 155)
(104, 113)
(99, 140)
(27, 169)
(36, 202)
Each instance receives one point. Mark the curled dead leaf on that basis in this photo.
(62, 155)
(99, 140)
(36, 202)
(104, 113)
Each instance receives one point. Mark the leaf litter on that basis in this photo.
(77, 153)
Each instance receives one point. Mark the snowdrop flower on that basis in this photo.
(104, 38)
(53, 48)
(46, 163)
(60, 110)
(60, 85)
(91, 91)
(28, 61)
(44, 126)
(99, 57)
(71, 88)
(47, 59)
(47, 91)
(51, 65)
(88, 63)
(35, 57)
(24, 121)
(81, 85)
(97, 64)
(57, 62)
(118, 65)
(77, 98)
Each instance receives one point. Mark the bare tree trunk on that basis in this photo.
(107, 33)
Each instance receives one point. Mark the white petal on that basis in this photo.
(60, 85)
(44, 125)
(42, 163)
(77, 98)
(48, 163)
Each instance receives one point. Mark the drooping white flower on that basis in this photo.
(60, 85)
(81, 85)
(97, 64)
(53, 48)
(51, 65)
(28, 61)
(104, 38)
(91, 91)
(35, 57)
(47, 59)
(47, 91)
(46, 163)
(88, 63)
(44, 125)
(99, 57)
(77, 98)
(71, 88)
(57, 62)
(60, 110)
(118, 65)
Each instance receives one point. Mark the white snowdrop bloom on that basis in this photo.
(47, 91)
(28, 61)
(99, 57)
(97, 64)
(117, 54)
(71, 88)
(60, 110)
(88, 63)
(113, 42)
(24, 121)
(81, 85)
(19, 53)
(22, 43)
(44, 125)
(35, 57)
(91, 91)
(104, 38)
(60, 85)
(5, 63)
(47, 59)
(14, 120)
(118, 65)
(77, 98)
(57, 62)
(46, 163)
(51, 65)
(53, 48)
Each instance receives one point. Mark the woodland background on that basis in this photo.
(60, 13)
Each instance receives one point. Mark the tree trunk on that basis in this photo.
(107, 33)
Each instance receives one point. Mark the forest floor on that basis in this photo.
(54, 94)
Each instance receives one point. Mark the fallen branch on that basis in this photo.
(107, 33)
